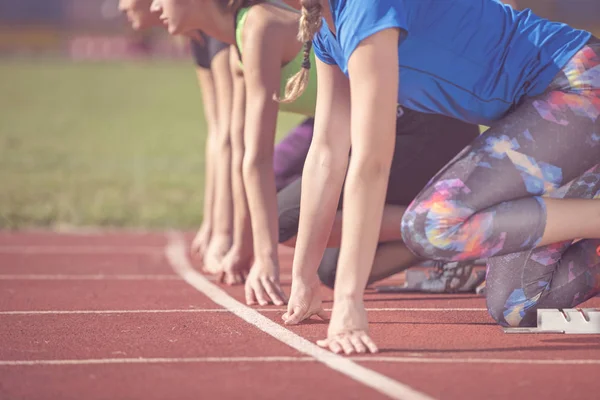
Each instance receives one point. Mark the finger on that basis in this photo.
(369, 343)
(238, 278)
(346, 345)
(250, 298)
(323, 343)
(295, 317)
(335, 346)
(358, 344)
(221, 277)
(272, 292)
(260, 293)
(279, 290)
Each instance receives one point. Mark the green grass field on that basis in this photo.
(102, 144)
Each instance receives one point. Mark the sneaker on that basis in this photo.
(453, 277)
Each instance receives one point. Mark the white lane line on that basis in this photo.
(155, 360)
(115, 312)
(473, 360)
(176, 254)
(83, 277)
(364, 359)
(69, 250)
(213, 310)
(441, 309)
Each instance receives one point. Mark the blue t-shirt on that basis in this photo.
(468, 59)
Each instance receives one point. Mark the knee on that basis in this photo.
(497, 309)
(430, 227)
(328, 267)
(514, 311)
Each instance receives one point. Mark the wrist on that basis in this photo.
(353, 296)
(266, 259)
(306, 279)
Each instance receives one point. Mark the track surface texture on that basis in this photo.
(127, 316)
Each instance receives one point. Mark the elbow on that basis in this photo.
(256, 162)
(369, 169)
(223, 143)
(237, 153)
(327, 160)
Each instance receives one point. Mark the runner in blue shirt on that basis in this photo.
(522, 193)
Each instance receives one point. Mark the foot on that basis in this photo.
(453, 277)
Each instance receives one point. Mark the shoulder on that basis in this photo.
(260, 22)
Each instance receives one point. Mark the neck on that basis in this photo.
(222, 27)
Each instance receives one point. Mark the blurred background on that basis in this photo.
(102, 126)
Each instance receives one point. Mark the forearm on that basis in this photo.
(206, 84)
(321, 188)
(259, 181)
(242, 235)
(209, 179)
(364, 198)
(223, 200)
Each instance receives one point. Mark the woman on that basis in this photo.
(214, 77)
(223, 254)
(264, 35)
(523, 192)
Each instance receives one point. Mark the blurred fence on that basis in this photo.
(77, 28)
(94, 28)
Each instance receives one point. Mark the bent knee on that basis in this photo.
(512, 314)
(437, 229)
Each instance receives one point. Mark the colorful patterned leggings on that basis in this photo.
(488, 201)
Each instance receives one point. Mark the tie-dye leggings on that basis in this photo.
(487, 203)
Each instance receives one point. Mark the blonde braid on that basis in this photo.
(310, 23)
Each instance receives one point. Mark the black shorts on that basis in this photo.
(424, 144)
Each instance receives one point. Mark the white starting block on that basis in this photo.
(568, 320)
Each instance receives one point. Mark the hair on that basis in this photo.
(310, 23)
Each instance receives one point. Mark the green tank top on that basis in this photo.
(306, 103)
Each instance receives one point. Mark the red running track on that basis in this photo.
(109, 316)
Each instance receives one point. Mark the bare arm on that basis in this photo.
(223, 203)
(262, 55)
(236, 263)
(223, 198)
(242, 216)
(205, 81)
(262, 75)
(324, 171)
(373, 70)
(322, 182)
